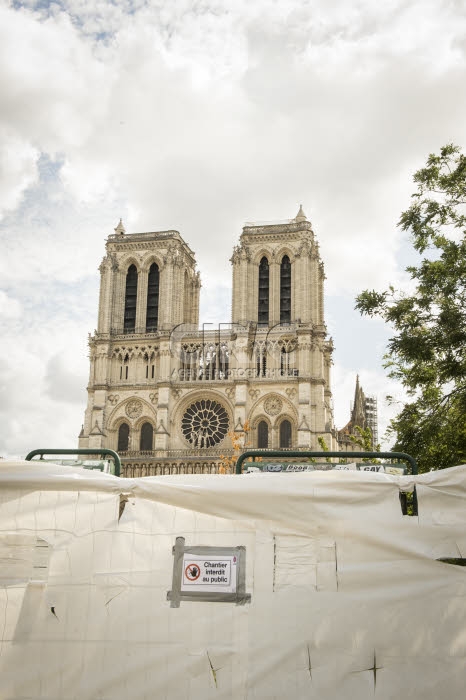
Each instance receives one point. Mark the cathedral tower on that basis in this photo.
(277, 274)
(167, 395)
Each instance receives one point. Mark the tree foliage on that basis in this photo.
(427, 352)
(363, 438)
(323, 446)
(239, 441)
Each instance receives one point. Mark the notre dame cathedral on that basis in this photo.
(167, 394)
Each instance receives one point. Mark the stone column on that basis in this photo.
(118, 310)
(235, 291)
(105, 295)
(301, 286)
(304, 414)
(186, 298)
(101, 374)
(274, 293)
(312, 268)
(166, 294)
(165, 361)
(162, 438)
(141, 303)
(243, 291)
(252, 292)
(196, 286)
(178, 290)
(240, 405)
(321, 293)
(296, 289)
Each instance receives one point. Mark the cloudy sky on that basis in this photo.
(200, 115)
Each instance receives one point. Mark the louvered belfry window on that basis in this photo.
(152, 315)
(263, 310)
(123, 437)
(131, 294)
(285, 290)
(147, 437)
(285, 434)
(262, 435)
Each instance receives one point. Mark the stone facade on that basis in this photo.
(165, 393)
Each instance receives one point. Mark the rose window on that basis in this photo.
(205, 423)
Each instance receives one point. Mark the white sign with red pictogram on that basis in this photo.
(209, 574)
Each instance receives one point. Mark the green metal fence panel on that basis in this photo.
(80, 451)
(284, 454)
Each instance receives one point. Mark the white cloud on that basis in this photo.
(43, 379)
(17, 169)
(9, 308)
(53, 89)
(199, 116)
(64, 380)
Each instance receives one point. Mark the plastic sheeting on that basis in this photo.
(348, 598)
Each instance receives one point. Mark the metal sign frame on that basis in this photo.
(176, 595)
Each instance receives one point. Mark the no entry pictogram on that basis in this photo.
(192, 572)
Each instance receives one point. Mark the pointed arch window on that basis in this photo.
(147, 437)
(261, 361)
(123, 437)
(209, 361)
(285, 370)
(152, 312)
(224, 361)
(285, 290)
(262, 435)
(131, 294)
(189, 362)
(285, 434)
(263, 306)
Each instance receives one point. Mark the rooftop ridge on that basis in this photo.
(278, 222)
(164, 234)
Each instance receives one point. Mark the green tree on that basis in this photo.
(427, 352)
(362, 437)
(323, 446)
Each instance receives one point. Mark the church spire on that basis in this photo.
(300, 216)
(120, 229)
(358, 417)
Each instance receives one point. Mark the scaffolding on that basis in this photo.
(370, 410)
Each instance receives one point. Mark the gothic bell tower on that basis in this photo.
(278, 275)
(149, 285)
(278, 294)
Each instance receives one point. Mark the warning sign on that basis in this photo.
(209, 574)
(192, 572)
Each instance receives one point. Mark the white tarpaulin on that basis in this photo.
(348, 598)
